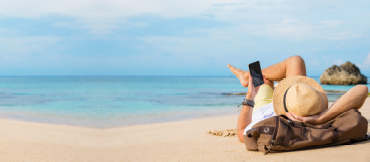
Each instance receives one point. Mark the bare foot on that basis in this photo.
(241, 74)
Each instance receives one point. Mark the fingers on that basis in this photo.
(250, 80)
(264, 78)
(290, 117)
(294, 117)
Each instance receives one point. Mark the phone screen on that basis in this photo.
(256, 67)
(256, 73)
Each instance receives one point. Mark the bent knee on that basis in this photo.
(296, 58)
(363, 89)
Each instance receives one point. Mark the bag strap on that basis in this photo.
(288, 136)
(285, 132)
(335, 133)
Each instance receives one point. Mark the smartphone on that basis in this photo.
(256, 73)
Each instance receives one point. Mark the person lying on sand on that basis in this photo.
(296, 90)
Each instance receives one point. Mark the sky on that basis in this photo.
(181, 38)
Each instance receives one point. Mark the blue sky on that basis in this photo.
(162, 37)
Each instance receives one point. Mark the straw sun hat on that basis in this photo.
(303, 96)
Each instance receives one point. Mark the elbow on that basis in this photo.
(241, 136)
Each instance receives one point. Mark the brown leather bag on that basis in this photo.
(278, 133)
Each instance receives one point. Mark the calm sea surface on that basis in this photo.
(118, 101)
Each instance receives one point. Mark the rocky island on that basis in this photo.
(345, 74)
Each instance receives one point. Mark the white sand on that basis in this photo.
(173, 141)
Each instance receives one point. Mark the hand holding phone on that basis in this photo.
(256, 73)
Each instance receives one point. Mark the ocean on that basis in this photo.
(103, 102)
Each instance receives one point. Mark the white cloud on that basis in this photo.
(365, 63)
(273, 18)
(338, 62)
(290, 28)
(316, 49)
(367, 60)
(19, 46)
(344, 35)
(103, 9)
(331, 23)
(316, 62)
(101, 16)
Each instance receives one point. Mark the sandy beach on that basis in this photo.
(172, 141)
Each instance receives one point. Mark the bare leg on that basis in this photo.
(292, 66)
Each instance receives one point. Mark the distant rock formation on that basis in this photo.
(345, 74)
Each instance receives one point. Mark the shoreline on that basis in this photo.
(204, 116)
(232, 111)
(214, 111)
(169, 141)
(331, 91)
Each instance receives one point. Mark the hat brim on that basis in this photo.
(283, 85)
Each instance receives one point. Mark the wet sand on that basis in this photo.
(172, 141)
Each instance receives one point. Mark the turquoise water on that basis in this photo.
(118, 101)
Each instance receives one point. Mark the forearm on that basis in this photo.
(326, 116)
(333, 112)
(245, 118)
(353, 99)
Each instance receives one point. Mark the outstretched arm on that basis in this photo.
(352, 99)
